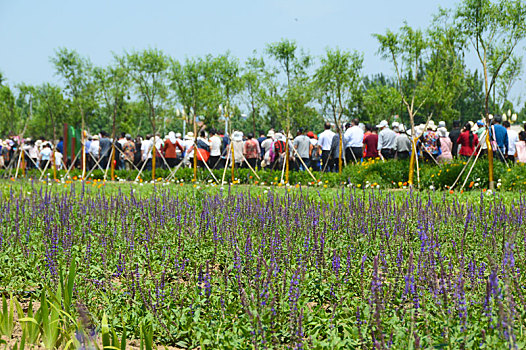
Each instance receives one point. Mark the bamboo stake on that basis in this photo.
(226, 166)
(43, 171)
(305, 165)
(246, 161)
(18, 164)
(471, 169)
(108, 165)
(465, 166)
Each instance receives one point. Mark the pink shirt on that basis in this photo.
(445, 148)
(520, 147)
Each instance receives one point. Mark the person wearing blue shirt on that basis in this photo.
(500, 136)
(60, 145)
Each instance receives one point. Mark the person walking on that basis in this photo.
(467, 142)
(500, 137)
(171, 144)
(251, 151)
(481, 134)
(445, 146)
(453, 136)
(303, 147)
(403, 144)
(520, 148)
(430, 143)
(353, 141)
(371, 142)
(513, 138)
(386, 140)
(129, 152)
(104, 149)
(324, 143)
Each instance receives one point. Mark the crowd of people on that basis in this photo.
(307, 150)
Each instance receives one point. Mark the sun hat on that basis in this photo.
(383, 124)
(431, 125)
(442, 132)
(178, 135)
(189, 136)
(95, 137)
(395, 125)
(441, 124)
(237, 136)
(270, 133)
(279, 136)
(401, 128)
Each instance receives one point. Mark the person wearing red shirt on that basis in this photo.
(370, 142)
(467, 141)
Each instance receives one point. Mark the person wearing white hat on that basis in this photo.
(237, 143)
(430, 143)
(403, 143)
(445, 146)
(265, 147)
(386, 140)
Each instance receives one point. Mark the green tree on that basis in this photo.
(51, 111)
(7, 109)
(294, 92)
(338, 81)
(407, 51)
(113, 83)
(148, 71)
(76, 72)
(492, 30)
(252, 79)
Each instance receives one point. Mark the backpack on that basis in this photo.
(279, 147)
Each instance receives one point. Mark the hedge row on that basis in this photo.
(390, 174)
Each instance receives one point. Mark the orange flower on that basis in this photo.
(451, 191)
(471, 184)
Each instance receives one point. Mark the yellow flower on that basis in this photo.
(324, 186)
(359, 185)
(509, 169)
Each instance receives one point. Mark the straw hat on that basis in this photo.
(270, 133)
(95, 137)
(189, 136)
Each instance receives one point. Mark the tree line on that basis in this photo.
(285, 87)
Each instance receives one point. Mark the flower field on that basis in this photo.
(184, 269)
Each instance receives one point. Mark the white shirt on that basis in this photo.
(94, 148)
(215, 146)
(325, 140)
(187, 145)
(353, 137)
(513, 137)
(46, 153)
(58, 160)
(146, 149)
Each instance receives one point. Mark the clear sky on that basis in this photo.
(30, 30)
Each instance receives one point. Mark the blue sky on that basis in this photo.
(30, 31)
